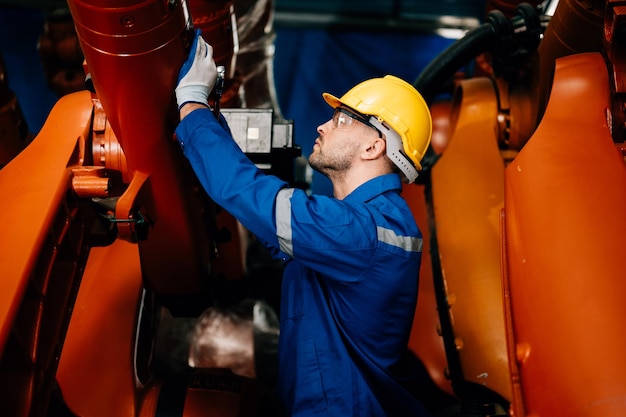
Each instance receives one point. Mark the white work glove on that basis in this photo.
(197, 75)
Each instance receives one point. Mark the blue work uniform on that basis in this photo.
(350, 281)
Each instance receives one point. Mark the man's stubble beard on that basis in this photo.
(331, 166)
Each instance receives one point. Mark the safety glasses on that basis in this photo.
(343, 118)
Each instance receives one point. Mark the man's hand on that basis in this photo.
(197, 75)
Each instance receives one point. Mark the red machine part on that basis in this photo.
(134, 51)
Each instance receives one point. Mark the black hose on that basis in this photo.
(497, 34)
(475, 42)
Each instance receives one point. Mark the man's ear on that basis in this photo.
(375, 148)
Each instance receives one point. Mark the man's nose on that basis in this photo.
(323, 127)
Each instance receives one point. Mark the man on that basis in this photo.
(351, 262)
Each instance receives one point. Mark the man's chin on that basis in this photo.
(314, 165)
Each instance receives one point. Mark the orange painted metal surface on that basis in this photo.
(42, 247)
(35, 203)
(529, 256)
(565, 232)
(98, 359)
(467, 195)
(104, 352)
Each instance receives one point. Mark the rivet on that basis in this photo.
(522, 352)
(127, 21)
(458, 343)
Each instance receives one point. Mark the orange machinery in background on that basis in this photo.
(521, 203)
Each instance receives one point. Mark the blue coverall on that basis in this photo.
(350, 281)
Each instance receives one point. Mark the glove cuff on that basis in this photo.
(192, 93)
(180, 106)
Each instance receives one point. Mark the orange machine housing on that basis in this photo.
(523, 211)
(563, 244)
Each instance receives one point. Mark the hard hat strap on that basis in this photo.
(394, 150)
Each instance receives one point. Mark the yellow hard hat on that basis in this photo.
(398, 110)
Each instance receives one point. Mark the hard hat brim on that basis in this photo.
(332, 101)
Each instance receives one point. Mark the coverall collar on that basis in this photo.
(374, 187)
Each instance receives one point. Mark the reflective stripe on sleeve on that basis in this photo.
(285, 233)
(408, 243)
(283, 220)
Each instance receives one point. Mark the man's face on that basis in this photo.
(338, 143)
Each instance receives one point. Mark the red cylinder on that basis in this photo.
(134, 51)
